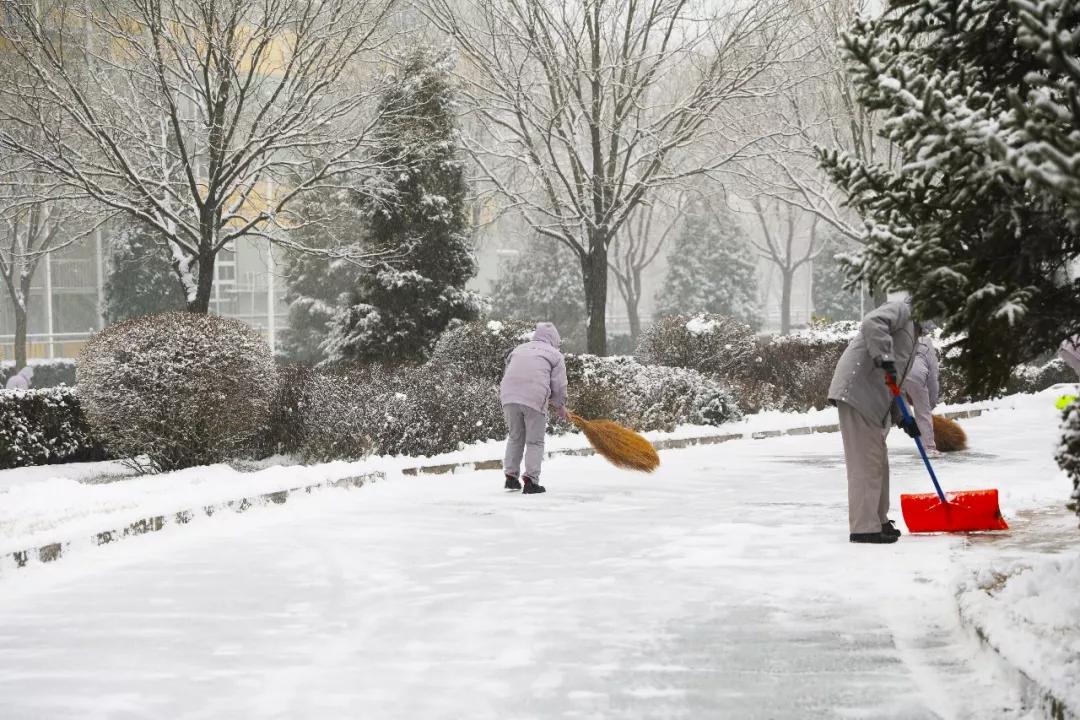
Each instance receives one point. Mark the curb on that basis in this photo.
(1033, 694)
(671, 444)
(51, 552)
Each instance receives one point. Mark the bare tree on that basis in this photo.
(643, 238)
(790, 239)
(816, 112)
(36, 218)
(204, 119)
(589, 106)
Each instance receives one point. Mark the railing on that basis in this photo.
(43, 345)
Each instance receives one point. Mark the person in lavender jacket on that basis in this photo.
(1069, 351)
(535, 377)
(922, 387)
(21, 380)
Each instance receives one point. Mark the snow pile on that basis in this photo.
(1031, 616)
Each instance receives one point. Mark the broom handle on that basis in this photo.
(895, 390)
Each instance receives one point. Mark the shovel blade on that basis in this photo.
(965, 511)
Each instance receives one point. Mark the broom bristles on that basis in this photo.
(621, 446)
(948, 435)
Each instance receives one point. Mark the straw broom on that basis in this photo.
(621, 446)
(948, 435)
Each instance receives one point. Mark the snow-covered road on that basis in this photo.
(723, 586)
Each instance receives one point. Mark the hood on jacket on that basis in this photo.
(547, 333)
(27, 372)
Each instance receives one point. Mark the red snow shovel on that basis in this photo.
(961, 511)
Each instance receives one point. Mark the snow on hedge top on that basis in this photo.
(495, 326)
(701, 325)
(823, 333)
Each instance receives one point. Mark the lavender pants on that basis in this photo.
(525, 436)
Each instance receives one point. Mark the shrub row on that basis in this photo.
(40, 427)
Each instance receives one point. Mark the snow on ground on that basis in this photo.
(56, 503)
(1023, 595)
(721, 586)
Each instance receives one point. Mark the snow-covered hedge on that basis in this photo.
(706, 342)
(793, 372)
(480, 347)
(47, 373)
(179, 389)
(1027, 378)
(348, 413)
(41, 427)
(646, 397)
(1068, 452)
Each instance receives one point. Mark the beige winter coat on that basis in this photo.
(887, 333)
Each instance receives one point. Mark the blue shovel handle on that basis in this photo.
(918, 440)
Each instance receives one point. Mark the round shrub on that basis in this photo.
(706, 342)
(480, 347)
(178, 389)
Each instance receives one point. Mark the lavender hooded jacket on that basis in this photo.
(535, 372)
(1070, 353)
(21, 380)
(925, 370)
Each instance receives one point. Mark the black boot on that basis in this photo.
(878, 538)
(512, 483)
(890, 529)
(532, 488)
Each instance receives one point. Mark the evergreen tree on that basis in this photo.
(403, 303)
(316, 282)
(141, 279)
(954, 222)
(832, 300)
(711, 268)
(542, 283)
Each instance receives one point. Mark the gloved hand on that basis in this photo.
(910, 427)
(890, 370)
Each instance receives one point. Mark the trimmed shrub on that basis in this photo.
(792, 372)
(349, 413)
(480, 348)
(1068, 452)
(47, 373)
(178, 389)
(42, 427)
(705, 342)
(646, 397)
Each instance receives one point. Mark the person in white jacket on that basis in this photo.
(21, 380)
(921, 387)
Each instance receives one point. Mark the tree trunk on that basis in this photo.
(594, 272)
(787, 277)
(20, 336)
(205, 287)
(632, 301)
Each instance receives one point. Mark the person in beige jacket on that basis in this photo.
(884, 346)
